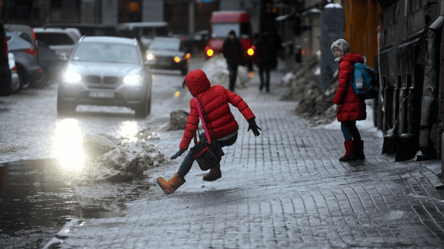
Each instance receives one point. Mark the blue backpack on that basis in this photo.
(365, 82)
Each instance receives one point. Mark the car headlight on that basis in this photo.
(132, 80)
(150, 56)
(72, 77)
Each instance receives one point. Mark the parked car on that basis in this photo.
(15, 80)
(5, 72)
(51, 63)
(25, 54)
(106, 71)
(60, 40)
(169, 53)
(28, 30)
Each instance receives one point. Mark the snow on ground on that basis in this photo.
(125, 162)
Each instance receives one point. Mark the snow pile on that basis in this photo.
(124, 163)
(97, 145)
(216, 70)
(313, 103)
(178, 120)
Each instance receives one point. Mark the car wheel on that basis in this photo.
(142, 109)
(64, 107)
(148, 109)
(23, 84)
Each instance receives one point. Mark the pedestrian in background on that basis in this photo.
(349, 106)
(219, 120)
(232, 51)
(266, 59)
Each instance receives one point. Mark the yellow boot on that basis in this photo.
(213, 175)
(170, 186)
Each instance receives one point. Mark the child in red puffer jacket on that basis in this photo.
(349, 106)
(223, 126)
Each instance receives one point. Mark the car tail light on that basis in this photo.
(32, 51)
(250, 51)
(14, 69)
(187, 56)
(210, 52)
(5, 45)
(35, 37)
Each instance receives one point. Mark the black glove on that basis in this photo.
(253, 126)
(178, 154)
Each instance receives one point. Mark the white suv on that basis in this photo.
(60, 40)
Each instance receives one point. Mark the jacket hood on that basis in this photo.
(197, 82)
(353, 58)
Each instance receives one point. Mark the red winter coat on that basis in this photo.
(215, 100)
(351, 107)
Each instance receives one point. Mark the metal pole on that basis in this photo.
(191, 17)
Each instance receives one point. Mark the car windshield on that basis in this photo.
(221, 30)
(170, 45)
(106, 52)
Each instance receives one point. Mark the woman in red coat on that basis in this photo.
(220, 124)
(349, 106)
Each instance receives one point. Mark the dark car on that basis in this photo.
(106, 71)
(5, 71)
(28, 65)
(169, 53)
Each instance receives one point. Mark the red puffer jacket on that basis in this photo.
(215, 100)
(351, 107)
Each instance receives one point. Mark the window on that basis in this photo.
(221, 30)
(52, 39)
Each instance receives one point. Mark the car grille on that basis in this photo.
(164, 60)
(91, 79)
(107, 82)
(111, 80)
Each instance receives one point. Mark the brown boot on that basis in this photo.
(213, 175)
(359, 149)
(170, 186)
(349, 152)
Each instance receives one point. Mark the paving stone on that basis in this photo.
(283, 189)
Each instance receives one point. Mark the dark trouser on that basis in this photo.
(232, 74)
(350, 131)
(189, 159)
(265, 69)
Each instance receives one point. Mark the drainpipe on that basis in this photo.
(429, 88)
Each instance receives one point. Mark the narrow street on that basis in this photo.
(283, 189)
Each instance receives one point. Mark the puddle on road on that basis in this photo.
(37, 199)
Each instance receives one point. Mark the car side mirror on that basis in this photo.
(63, 56)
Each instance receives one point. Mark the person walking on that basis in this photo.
(266, 59)
(220, 122)
(232, 51)
(349, 106)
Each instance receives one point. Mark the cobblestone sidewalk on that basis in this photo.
(283, 189)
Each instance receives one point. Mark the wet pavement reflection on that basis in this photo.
(37, 198)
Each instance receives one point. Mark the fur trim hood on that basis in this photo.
(342, 45)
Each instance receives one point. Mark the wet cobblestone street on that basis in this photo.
(283, 189)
